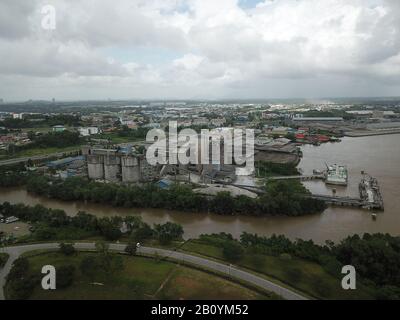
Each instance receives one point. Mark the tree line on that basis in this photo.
(281, 197)
(55, 224)
(376, 257)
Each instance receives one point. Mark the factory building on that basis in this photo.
(117, 165)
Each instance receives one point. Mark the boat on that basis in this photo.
(337, 175)
(370, 193)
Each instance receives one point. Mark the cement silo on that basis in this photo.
(95, 164)
(112, 165)
(130, 169)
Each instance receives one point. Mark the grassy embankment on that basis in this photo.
(139, 278)
(43, 151)
(305, 276)
(113, 137)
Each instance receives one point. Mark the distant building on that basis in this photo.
(18, 116)
(164, 184)
(152, 125)
(87, 131)
(317, 119)
(218, 122)
(11, 219)
(58, 128)
(114, 165)
(200, 121)
(64, 162)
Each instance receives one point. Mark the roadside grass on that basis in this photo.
(140, 278)
(305, 276)
(3, 259)
(42, 151)
(39, 129)
(191, 284)
(115, 138)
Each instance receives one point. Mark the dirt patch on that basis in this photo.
(18, 229)
(276, 157)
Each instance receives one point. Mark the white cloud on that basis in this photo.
(276, 48)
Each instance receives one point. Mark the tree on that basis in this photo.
(142, 233)
(22, 288)
(88, 265)
(232, 251)
(168, 231)
(20, 268)
(65, 276)
(131, 248)
(102, 247)
(107, 262)
(109, 229)
(67, 249)
(45, 233)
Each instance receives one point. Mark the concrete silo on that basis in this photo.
(130, 169)
(112, 165)
(95, 164)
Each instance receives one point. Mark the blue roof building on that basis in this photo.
(164, 184)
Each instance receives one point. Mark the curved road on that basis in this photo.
(229, 270)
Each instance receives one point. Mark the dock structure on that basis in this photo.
(370, 193)
(299, 177)
(339, 201)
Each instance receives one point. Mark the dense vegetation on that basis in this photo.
(376, 257)
(57, 139)
(49, 140)
(13, 175)
(267, 169)
(54, 224)
(43, 121)
(281, 197)
(139, 133)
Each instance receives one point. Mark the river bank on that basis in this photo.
(377, 155)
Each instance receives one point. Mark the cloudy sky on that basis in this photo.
(200, 49)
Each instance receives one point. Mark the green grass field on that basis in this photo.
(39, 129)
(140, 278)
(303, 275)
(43, 151)
(115, 138)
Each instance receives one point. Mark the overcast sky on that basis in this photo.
(200, 49)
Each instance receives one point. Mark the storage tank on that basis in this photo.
(112, 168)
(95, 167)
(130, 169)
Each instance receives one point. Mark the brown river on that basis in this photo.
(377, 155)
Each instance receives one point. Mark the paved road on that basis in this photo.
(57, 154)
(33, 158)
(16, 251)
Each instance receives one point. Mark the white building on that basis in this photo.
(18, 116)
(87, 131)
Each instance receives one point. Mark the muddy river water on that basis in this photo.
(377, 155)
